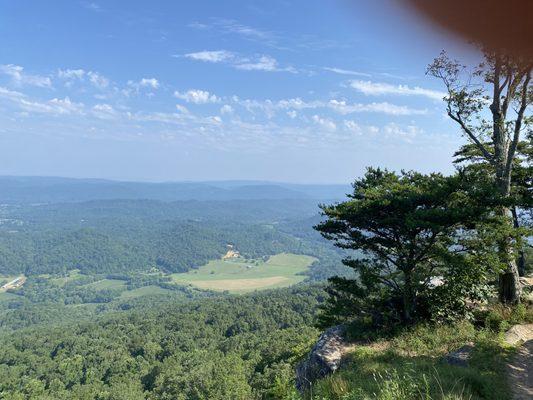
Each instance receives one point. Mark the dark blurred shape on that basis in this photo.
(501, 25)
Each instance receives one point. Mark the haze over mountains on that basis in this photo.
(59, 190)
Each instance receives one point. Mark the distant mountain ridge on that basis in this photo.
(27, 189)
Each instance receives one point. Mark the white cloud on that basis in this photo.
(197, 96)
(258, 63)
(10, 94)
(269, 107)
(231, 26)
(92, 6)
(342, 107)
(71, 73)
(104, 111)
(198, 25)
(324, 122)
(226, 109)
(292, 114)
(103, 107)
(408, 132)
(149, 82)
(341, 71)
(215, 56)
(182, 109)
(352, 126)
(298, 104)
(377, 88)
(54, 106)
(264, 63)
(17, 75)
(98, 80)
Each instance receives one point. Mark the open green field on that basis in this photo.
(239, 275)
(5, 296)
(107, 284)
(144, 291)
(71, 276)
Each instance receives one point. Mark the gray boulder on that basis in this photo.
(519, 334)
(324, 358)
(460, 356)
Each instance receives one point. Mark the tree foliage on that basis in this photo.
(411, 228)
(223, 348)
(490, 104)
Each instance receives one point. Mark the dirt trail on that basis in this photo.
(520, 368)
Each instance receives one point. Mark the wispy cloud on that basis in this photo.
(233, 26)
(352, 127)
(182, 109)
(71, 73)
(274, 39)
(215, 56)
(98, 80)
(256, 63)
(264, 63)
(341, 71)
(105, 111)
(407, 133)
(91, 6)
(10, 94)
(145, 83)
(342, 107)
(149, 82)
(20, 78)
(378, 88)
(95, 78)
(197, 96)
(54, 106)
(226, 109)
(324, 122)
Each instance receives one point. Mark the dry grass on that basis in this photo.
(241, 285)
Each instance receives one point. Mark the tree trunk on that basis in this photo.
(521, 254)
(408, 298)
(509, 279)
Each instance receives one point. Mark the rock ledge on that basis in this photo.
(324, 358)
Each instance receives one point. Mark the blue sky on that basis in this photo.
(295, 91)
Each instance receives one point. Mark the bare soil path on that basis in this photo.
(520, 368)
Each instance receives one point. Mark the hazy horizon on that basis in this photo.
(206, 181)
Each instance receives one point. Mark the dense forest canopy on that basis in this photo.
(127, 235)
(238, 348)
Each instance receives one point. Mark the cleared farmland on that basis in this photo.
(239, 275)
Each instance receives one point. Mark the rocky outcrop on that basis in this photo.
(519, 334)
(324, 358)
(527, 288)
(460, 356)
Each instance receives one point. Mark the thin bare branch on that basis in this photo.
(457, 118)
(518, 122)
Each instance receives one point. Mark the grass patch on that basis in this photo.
(144, 291)
(6, 296)
(239, 275)
(107, 284)
(411, 367)
(72, 275)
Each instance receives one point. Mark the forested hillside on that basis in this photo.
(120, 236)
(219, 349)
